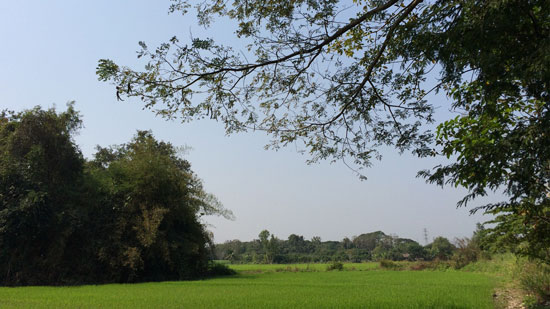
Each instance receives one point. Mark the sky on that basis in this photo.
(48, 56)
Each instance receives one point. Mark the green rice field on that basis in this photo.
(275, 286)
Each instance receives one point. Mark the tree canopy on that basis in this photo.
(131, 214)
(344, 79)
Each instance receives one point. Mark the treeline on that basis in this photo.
(365, 247)
(130, 214)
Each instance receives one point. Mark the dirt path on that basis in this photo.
(509, 298)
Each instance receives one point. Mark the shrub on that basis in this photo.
(218, 269)
(387, 264)
(335, 266)
(535, 279)
(430, 265)
(419, 266)
(467, 251)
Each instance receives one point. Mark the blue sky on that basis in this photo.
(49, 54)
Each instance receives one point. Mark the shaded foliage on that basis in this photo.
(41, 177)
(131, 214)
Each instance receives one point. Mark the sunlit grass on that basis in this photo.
(365, 289)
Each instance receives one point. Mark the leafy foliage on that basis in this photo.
(131, 214)
(501, 139)
(316, 77)
(40, 183)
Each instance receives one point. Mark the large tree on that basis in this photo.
(347, 78)
(151, 228)
(41, 185)
(131, 214)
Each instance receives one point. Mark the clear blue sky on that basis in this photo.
(48, 55)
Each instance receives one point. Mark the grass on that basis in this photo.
(272, 289)
(502, 265)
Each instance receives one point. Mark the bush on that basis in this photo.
(467, 251)
(535, 279)
(430, 265)
(420, 266)
(335, 266)
(387, 264)
(218, 269)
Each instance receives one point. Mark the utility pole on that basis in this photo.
(425, 236)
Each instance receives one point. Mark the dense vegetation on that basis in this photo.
(373, 246)
(130, 214)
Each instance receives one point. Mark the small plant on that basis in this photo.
(335, 266)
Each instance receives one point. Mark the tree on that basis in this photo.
(369, 240)
(132, 214)
(264, 243)
(347, 243)
(441, 248)
(344, 86)
(41, 172)
(415, 251)
(270, 246)
(504, 145)
(153, 230)
(272, 249)
(297, 244)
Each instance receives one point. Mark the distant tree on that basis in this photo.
(441, 248)
(369, 241)
(273, 248)
(347, 243)
(264, 242)
(316, 239)
(230, 250)
(316, 243)
(380, 253)
(359, 255)
(297, 244)
(415, 251)
(270, 247)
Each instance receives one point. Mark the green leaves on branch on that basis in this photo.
(342, 80)
(297, 81)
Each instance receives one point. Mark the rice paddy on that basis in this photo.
(275, 286)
